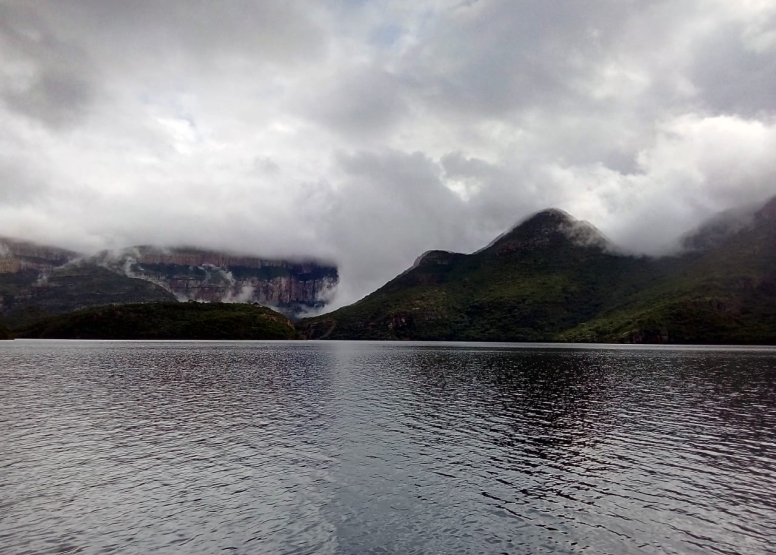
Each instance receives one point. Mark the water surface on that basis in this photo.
(353, 448)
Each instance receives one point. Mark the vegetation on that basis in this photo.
(540, 282)
(726, 294)
(530, 285)
(5, 333)
(688, 320)
(170, 320)
(548, 279)
(27, 299)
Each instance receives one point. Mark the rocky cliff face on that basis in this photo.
(24, 271)
(36, 280)
(18, 256)
(191, 274)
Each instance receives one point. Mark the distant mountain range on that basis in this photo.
(293, 287)
(550, 278)
(554, 278)
(38, 281)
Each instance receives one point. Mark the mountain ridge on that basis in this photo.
(547, 227)
(551, 277)
(291, 286)
(554, 278)
(38, 280)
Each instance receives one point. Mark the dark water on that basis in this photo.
(267, 448)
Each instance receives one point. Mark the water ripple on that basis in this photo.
(352, 448)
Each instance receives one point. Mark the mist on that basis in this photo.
(370, 132)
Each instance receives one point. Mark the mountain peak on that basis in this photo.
(550, 215)
(549, 227)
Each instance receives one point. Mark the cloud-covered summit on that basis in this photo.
(370, 131)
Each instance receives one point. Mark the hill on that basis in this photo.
(553, 278)
(725, 292)
(165, 321)
(37, 281)
(292, 287)
(30, 295)
(5, 333)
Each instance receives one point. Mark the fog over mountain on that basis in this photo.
(370, 131)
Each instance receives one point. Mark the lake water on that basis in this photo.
(355, 448)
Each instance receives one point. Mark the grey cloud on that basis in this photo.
(359, 103)
(56, 98)
(491, 58)
(270, 30)
(390, 207)
(266, 165)
(59, 81)
(458, 166)
(733, 76)
(74, 50)
(18, 187)
(497, 196)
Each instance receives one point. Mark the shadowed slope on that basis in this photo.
(166, 321)
(725, 293)
(28, 296)
(555, 278)
(546, 275)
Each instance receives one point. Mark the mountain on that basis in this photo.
(554, 278)
(174, 320)
(292, 287)
(724, 290)
(544, 276)
(26, 297)
(37, 281)
(18, 256)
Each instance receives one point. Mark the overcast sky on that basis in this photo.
(370, 131)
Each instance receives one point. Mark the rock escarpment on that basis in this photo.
(18, 256)
(199, 275)
(36, 280)
(33, 292)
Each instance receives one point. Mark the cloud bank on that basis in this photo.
(370, 131)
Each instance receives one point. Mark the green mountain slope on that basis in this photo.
(166, 321)
(724, 294)
(27, 298)
(545, 276)
(554, 278)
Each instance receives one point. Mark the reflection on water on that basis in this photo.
(385, 448)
